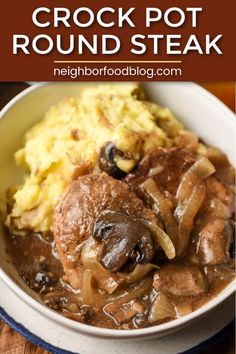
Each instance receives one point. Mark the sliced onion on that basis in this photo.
(133, 292)
(95, 277)
(187, 216)
(161, 309)
(161, 238)
(89, 294)
(201, 169)
(155, 170)
(140, 271)
(105, 280)
(164, 206)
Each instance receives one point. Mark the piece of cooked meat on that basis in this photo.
(217, 189)
(213, 229)
(214, 242)
(81, 203)
(180, 280)
(165, 166)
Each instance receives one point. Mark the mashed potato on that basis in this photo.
(66, 144)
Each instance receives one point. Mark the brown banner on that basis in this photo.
(168, 42)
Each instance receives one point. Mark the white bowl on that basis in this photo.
(196, 108)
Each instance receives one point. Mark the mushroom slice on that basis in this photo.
(120, 236)
(107, 161)
(161, 309)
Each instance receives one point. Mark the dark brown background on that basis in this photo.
(217, 18)
(13, 343)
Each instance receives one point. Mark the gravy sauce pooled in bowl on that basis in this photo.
(124, 218)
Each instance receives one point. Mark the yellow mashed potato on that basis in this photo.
(66, 144)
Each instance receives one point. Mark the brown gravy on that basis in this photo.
(35, 258)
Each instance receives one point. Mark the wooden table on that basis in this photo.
(13, 343)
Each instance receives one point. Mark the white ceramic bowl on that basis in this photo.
(196, 108)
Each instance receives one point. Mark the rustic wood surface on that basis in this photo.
(13, 343)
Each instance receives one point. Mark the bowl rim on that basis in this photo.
(115, 333)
